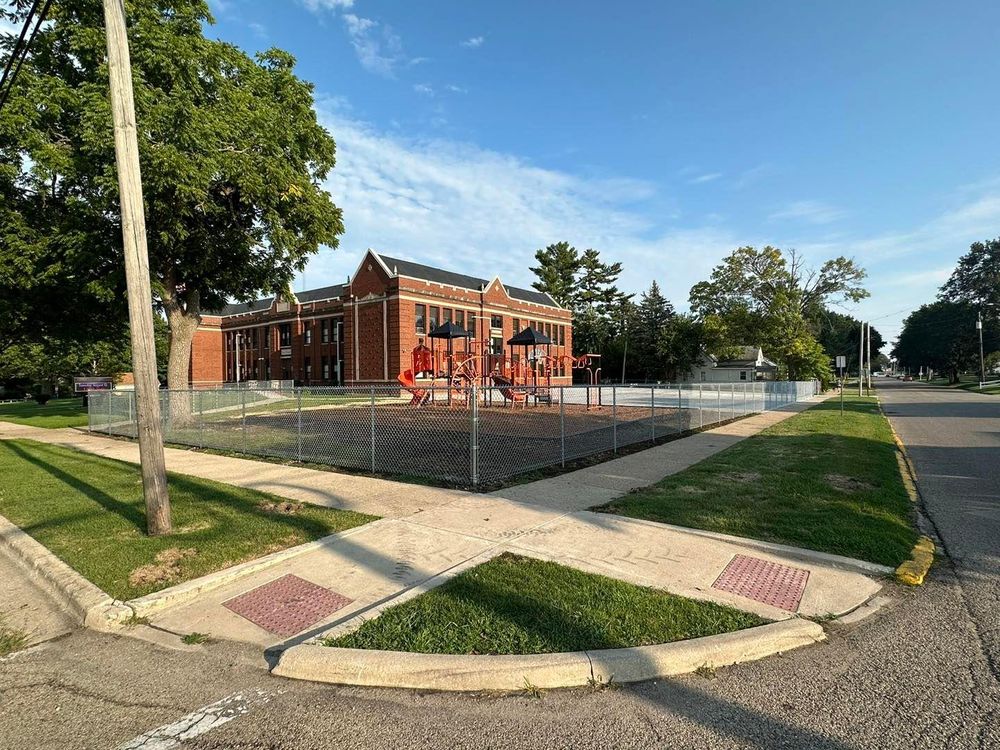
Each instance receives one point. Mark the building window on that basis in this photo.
(307, 366)
(743, 374)
(496, 345)
(562, 335)
(324, 331)
(432, 323)
(326, 368)
(267, 338)
(460, 318)
(420, 313)
(446, 315)
(496, 321)
(517, 325)
(307, 333)
(473, 325)
(285, 334)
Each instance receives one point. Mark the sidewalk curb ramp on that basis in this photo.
(468, 673)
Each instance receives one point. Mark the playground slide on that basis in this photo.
(409, 382)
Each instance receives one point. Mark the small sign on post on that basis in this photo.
(841, 372)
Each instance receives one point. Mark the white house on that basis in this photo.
(750, 364)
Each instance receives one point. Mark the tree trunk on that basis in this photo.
(183, 317)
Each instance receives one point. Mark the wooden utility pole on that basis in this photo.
(861, 362)
(140, 297)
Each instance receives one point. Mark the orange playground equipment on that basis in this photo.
(521, 375)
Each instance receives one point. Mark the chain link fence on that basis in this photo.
(473, 437)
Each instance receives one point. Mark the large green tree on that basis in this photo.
(649, 334)
(976, 278)
(585, 284)
(943, 337)
(232, 159)
(765, 297)
(840, 334)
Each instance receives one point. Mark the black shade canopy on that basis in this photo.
(529, 337)
(449, 330)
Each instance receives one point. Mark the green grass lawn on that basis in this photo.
(89, 511)
(817, 480)
(63, 412)
(518, 605)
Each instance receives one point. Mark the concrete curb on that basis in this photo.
(911, 572)
(144, 606)
(473, 673)
(89, 604)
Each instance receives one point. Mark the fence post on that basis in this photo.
(298, 420)
(474, 438)
(201, 420)
(745, 412)
(614, 418)
(732, 400)
(652, 413)
(109, 412)
(680, 410)
(718, 400)
(243, 415)
(701, 406)
(372, 412)
(562, 426)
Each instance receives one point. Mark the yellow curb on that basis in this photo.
(913, 571)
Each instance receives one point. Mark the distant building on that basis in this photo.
(363, 332)
(749, 365)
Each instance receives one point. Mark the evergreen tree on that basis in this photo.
(557, 267)
(650, 335)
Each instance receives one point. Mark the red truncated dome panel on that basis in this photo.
(771, 583)
(287, 605)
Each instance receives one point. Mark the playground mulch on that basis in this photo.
(434, 440)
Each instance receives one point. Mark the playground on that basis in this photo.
(460, 414)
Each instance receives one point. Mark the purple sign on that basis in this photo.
(84, 385)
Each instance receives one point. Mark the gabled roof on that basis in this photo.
(440, 276)
(529, 337)
(264, 304)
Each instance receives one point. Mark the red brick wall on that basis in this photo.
(206, 356)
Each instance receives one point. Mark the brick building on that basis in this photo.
(363, 331)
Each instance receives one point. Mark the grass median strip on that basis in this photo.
(89, 511)
(63, 412)
(519, 605)
(819, 480)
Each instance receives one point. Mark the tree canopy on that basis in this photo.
(232, 160)
(766, 297)
(976, 278)
(942, 336)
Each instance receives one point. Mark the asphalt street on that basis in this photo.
(921, 673)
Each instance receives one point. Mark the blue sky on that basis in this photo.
(665, 134)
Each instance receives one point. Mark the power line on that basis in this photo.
(16, 51)
(21, 51)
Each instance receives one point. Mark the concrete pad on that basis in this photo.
(368, 567)
(684, 564)
(492, 518)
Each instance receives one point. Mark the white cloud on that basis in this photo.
(812, 212)
(259, 30)
(320, 5)
(456, 89)
(473, 42)
(703, 178)
(378, 48)
(481, 212)
(424, 88)
(470, 209)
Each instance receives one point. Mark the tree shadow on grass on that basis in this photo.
(129, 513)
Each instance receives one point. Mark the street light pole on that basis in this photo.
(982, 359)
(140, 296)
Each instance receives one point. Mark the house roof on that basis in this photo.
(747, 356)
(402, 268)
(441, 276)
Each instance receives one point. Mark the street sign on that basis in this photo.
(841, 361)
(85, 385)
